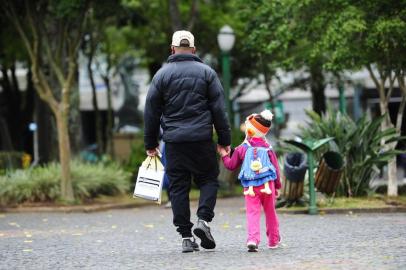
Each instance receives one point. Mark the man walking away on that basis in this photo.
(187, 99)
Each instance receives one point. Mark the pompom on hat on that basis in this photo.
(258, 125)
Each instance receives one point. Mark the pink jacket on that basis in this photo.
(237, 158)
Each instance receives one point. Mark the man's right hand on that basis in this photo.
(152, 152)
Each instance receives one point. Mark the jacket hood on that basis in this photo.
(179, 57)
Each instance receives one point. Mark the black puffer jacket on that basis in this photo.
(186, 98)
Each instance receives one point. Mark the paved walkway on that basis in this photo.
(144, 238)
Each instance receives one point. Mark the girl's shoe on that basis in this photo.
(276, 245)
(252, 247)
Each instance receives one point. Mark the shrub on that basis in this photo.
(91, 180)
(10, 160)
(42, 184)
(137, 156)
(358, 142)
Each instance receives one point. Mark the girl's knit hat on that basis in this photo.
(258, 125)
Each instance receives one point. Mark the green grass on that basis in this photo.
(361, 202)
(354, 203)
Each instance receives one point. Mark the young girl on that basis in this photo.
(259, 176)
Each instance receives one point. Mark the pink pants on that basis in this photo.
(253, 213)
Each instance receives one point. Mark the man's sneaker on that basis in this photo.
(189, 245)
(252, 247)
(202, 231)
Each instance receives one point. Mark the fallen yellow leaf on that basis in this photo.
(226, 226)
(14, 224)
(161, 238)
(27, 250)
(77, 234)
(28, 241)
(238, 226)
(28, 235)
(149, 226)
(114, 226)
(44, 219)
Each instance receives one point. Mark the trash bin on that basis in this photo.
(329, 173)
(295, 166)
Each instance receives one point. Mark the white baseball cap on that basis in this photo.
(178, 36)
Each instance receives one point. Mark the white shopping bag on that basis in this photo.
(150, 180)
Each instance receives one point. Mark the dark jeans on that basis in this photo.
(184, 161)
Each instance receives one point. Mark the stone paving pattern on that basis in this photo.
(144, 238)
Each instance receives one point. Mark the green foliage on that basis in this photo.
(354, 33)
(42, 184)
(10, 160)
(67, 8)
(358, 142)
(153, 28)
(237, 137)
(89, 181)
(270, 31)
(137, 156)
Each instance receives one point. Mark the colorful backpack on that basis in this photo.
(256, 168)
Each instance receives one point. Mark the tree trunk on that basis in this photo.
(109, 133)
(317, 87)
(64, 155)
(392, 178)
(392, 170)
(268, 78)
(175, 15)
(98, 126)
(386, 123)
(75, 122)
(46, 132)
(13, 106)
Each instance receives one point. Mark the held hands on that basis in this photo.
(223, 150)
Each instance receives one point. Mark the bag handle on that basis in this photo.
(150, 160)
(155, 158)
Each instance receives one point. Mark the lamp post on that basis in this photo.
(226, 39)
